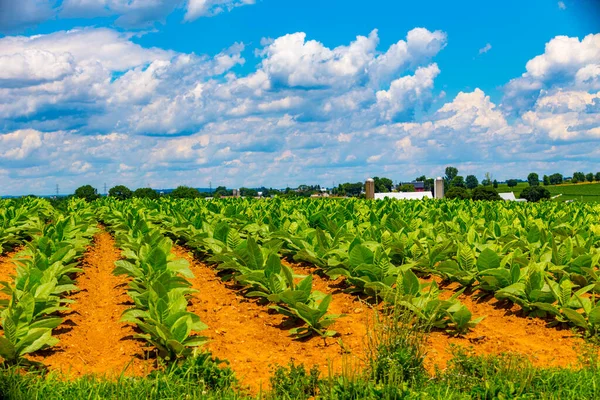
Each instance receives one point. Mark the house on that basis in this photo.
(419, 186)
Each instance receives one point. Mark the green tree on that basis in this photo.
(495, 184)
(535, 193)
(472, 181)
(245, 192)
(556, 179)
(407, 188)
(458, 181)
(87, 192)
(485, 193)
(533, 179)
(597, 177)
(120, 192)
(589, 177)
(383, 185)
(457, 193)
(451, 172)
(512, 183)
(578, 177)
(222, 191)
(546, 180)
(145, 193)
(185, 192)
(488, 179)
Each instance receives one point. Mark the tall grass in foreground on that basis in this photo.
(394, 369)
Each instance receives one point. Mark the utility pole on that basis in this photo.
(105, 189)
(210, 187)
(57, 190)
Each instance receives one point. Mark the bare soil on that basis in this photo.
(254, 340)
(92, 338)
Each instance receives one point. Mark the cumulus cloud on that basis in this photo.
(562, 5)
(90, 105)
(566, 61)
(406, 93)
(18, 15)
(207, 8)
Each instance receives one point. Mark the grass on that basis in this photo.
(584, 192)
(395, 370)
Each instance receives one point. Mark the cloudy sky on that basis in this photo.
(284, 92)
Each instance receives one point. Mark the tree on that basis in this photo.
(87, 192)
(556, 179)
(546, 180)
(185, 192)
(512, 183)
(350, 189)
(407, 188)
(120, 192)
(245, 192)
(222, 191)
(472, 181)
(535, 193)
(145, 193)
(589, 177)
(533, 179)
(458, 181)
(597, 177)
(451, 172)
(457, 193)
(578, 177)
(488, 179)
(428, 183)
(495, 184)
(485, 193)
(383, 185)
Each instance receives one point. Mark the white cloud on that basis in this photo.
(20, 144)
(562, 5)
(15, 15)
(406, 92)
(485, 48)
(559, 66)
(207, 8)
(116, 112)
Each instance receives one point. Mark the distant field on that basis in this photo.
(585, 192)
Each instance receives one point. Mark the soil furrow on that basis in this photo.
(8, 269)
(502, 330)
(92, 338)
(255, 340)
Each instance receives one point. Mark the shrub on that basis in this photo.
(485, 193)
(535, 193)
(295, 382)
(513, 183)
(457, 193)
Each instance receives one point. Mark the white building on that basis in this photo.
(404, 195)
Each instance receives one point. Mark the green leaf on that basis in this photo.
(488, 259)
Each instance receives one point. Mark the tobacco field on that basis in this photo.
(285, 298)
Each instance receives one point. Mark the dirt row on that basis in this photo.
(254, 339)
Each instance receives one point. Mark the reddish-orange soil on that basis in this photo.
(8, 270)
(254, 340)
(92, 340)
(504, 330)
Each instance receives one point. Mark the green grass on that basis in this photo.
(585, 192)
(396, 349)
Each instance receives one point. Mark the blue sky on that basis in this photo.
(267, 92)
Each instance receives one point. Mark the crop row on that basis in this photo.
(44, 277)
(157, 286)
